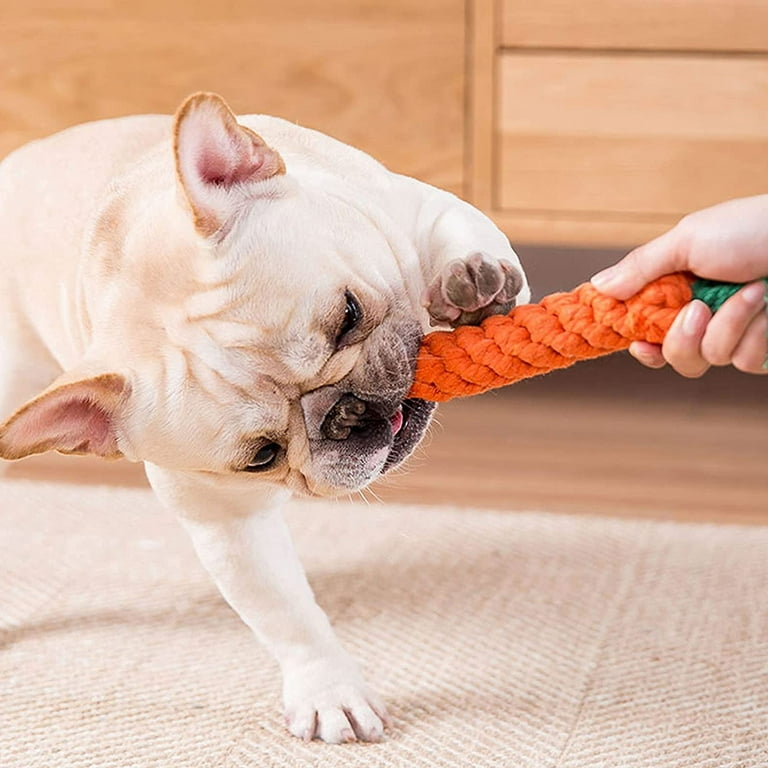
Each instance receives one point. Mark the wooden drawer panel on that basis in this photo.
(630, 134)
(725, 25)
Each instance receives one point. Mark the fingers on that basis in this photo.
(728, 242)
(648, 354)
(682, 344)
(751, 354)
(661, 256)
(732, 320)
(737, 335)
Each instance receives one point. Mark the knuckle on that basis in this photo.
(691, 371)
(749, 360)
(686, 359)
(716, 354)
(650, 362)
(750, 354)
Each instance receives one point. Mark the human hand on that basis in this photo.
(727, 242)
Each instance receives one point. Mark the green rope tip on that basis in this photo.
(714, 293)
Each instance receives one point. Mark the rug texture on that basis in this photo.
(498, 639)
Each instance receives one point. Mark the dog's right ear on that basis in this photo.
(218, 161)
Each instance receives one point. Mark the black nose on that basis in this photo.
(349, 414)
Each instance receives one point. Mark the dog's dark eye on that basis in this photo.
(352, 316)
(264, 458)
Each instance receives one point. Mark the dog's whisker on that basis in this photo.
(363, 497)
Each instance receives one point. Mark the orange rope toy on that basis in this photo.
(558, 331)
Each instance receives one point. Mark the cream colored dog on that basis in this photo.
(237, 305)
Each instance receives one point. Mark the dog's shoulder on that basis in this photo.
(123, 136)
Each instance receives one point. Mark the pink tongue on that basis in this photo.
(396, 420)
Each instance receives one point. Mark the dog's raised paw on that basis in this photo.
(335, 711)
(468, 290)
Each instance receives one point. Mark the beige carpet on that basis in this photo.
(497, 639)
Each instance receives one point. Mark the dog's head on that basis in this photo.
(254, 317)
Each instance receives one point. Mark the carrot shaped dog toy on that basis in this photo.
(560, 330)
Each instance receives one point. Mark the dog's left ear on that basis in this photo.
(79, 416)
(218, 161)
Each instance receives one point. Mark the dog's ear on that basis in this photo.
(218, 161)
(78, 416)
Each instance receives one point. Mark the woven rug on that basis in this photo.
(498, 639)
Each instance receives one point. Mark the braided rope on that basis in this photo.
(559, 331)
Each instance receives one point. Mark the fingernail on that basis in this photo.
(696, 315)
(754, 294)
(647, 360)
(603, 280)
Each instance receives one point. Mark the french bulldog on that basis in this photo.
(237, 303)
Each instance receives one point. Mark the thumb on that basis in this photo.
(661, 256)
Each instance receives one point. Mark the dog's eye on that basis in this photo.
(352, 317)
(264, 458)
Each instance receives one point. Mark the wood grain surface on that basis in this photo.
(610, 119)
(482, 41)
(700, 25)
(384, 75)
(632, 134)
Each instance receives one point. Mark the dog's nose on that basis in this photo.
(349, 414)
(330, 413)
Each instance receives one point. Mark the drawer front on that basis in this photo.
(652, 136)
(705, 25)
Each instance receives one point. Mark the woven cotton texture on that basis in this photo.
(498, 639)
(533, 339)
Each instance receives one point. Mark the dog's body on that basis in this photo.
(220, 300)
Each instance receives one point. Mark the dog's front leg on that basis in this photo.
(250, 556)
(469, 268)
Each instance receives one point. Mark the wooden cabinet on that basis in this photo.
(602, 122)
(597, 122)
(384, 75)
(665, 25)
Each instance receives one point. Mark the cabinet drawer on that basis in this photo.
(623, 134)
(704, 25)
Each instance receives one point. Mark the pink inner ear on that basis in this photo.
(84, 427)
(224, 163)
(220, 163)
(74, 419)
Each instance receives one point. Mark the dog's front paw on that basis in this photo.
(331, 701)
(469, 290)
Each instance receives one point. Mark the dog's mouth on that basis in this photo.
(361, 437)
(408, 424)
(398, 420)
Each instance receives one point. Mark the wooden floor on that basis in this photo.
(606, 437)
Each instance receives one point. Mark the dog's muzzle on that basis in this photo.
(358, 425)
(351, 415)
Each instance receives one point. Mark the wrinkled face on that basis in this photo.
(289, 355)
(243, 320)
